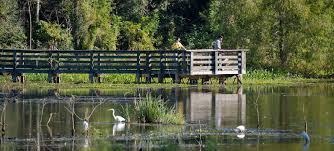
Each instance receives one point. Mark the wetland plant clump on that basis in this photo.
(155, 110)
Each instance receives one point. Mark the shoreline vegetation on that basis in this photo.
(253, 77)
(276, 35)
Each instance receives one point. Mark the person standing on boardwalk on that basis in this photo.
(218, 43)
(177, 45)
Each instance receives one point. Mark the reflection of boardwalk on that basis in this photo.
(228, 110)
(200, 106)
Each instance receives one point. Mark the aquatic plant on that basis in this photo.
(155, 110)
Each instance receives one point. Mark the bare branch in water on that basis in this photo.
(72, 112)
(91, 113)
(50, 117)
(44, 103)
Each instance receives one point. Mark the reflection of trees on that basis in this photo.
(256, 103)
(3, 119)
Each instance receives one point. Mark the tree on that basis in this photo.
(11, 29)
(52, 36)
(237, 21)
(91, 22)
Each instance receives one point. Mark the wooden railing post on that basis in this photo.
(138, 68)
(148, 67)
(91, 72)
(2, 53)
(191, 62)
(14, 73)
(52, 67)
(58, 61)
(99, 61)
(239, 61)
(184, 63)
(161, 66)
(243, 62)
(178, 68)
(240, 58)
(216, 61)
(21, 62)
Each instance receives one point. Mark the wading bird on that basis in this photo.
(85, 125)
(117, 118)
(117, 128)
(240, 129)
(305, 135)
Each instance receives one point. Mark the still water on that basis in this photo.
(273, 115)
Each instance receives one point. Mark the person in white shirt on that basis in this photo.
(217, 44)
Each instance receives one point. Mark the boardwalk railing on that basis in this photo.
(149, 64)
(217, 62)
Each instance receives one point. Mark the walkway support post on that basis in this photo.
(138, 68)
(14, 73)
(161, 74)
(178, 68)
(148, 67)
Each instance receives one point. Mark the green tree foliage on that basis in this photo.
(292, 35)
(92, 24)
(236, 21)
(54, 37)
(139, 36)
(298, 35)
(11, 29)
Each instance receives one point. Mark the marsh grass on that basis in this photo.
(253, 76)
(155, 110)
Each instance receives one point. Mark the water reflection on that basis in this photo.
(86, 142)
(278, 112)
(226, 110)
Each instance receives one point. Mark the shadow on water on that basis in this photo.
(273, 115)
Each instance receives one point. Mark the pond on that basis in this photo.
(274, 116)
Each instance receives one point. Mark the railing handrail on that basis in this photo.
(210, 50)
(88, 51)
(151, 62)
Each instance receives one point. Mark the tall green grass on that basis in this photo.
(253, 76)
(155, 110)
(270, 74)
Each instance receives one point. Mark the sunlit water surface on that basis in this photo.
(273, 115)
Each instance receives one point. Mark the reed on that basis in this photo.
(155, 110)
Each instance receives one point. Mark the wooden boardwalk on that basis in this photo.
(193, 64)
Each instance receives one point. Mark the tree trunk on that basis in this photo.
(282, 52)
(37, 10)
(30, 23)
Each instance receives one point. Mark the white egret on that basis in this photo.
(117, 128)
(85, 125)
(117, 118)
(240, 129)
(241, 135)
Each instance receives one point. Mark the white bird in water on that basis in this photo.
(240, 129)
(117, 128)
(241, 135)
(85, 125)
(117, 118)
